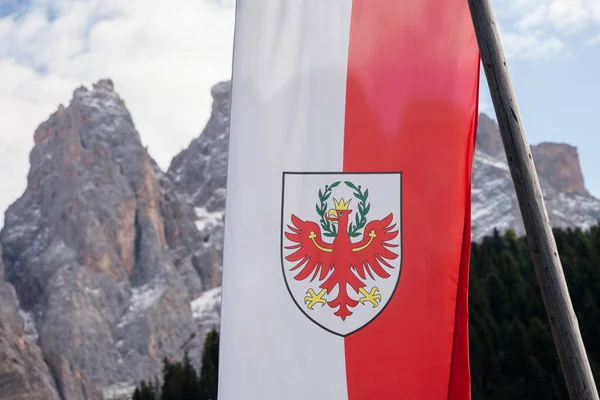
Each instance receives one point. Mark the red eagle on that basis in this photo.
(342, 262)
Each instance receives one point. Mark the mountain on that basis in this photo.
(110, 264)
(494, 203)
(102, 252)
(200, 172)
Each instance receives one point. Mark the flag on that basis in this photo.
(347, 236)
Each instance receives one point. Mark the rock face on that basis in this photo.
(200, 172)
(494, 203)
(489, 140)
(559, 165)
(23, 373)
(100, 250)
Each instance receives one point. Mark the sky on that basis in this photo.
(164, 59)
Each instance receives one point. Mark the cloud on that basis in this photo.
(540, 29)
(162, 56)
(564, 16)
(528, 46)
(594, 40)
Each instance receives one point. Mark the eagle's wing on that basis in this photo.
(371, 252)
(312, 253)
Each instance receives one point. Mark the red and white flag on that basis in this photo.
(347, 232)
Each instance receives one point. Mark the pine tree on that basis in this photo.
(209, 375)
(512, 350)
(145, 392)
(190, 384)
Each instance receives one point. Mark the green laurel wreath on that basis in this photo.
(360, 218)
(328, 227)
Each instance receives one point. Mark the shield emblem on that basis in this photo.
(341, 245)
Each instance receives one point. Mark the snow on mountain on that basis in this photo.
(207, 308)
(494, 203)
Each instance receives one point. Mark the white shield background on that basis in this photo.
(300, 195)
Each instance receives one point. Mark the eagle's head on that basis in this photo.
(340, 210)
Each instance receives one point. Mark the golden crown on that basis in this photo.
(341, 205)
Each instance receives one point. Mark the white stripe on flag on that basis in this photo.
(288, 107)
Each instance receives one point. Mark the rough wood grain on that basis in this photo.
(548, 268)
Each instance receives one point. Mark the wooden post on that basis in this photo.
(548, 268)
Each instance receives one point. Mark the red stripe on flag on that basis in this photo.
(459, 387)
(411, 106)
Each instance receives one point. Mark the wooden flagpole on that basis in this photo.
(546, 261)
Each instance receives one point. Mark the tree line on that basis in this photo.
(512, 352)
(180, 381)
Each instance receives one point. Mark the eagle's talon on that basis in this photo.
(311, 298)
(373, 297)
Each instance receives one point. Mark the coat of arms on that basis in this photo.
(341, 245)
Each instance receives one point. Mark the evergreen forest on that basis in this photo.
(180, 381)
(512, 353)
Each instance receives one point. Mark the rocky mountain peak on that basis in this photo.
(198, 170)
(200, 174)
(489, 140)
(559, 164)
(494, 203)
(101, 108)
(100, 249)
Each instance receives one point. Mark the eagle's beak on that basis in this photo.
(332, 216)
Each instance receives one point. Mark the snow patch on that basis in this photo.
(488, 160)
(118, 391)
(207, 306)
(93, 292)
(207, 219)
(142, 298)
(18, 232)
